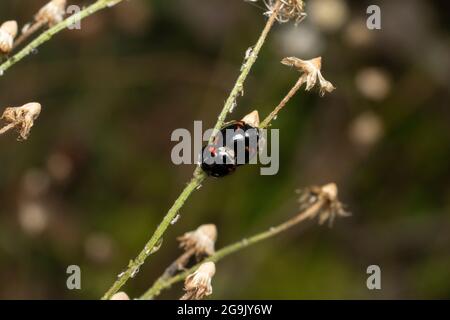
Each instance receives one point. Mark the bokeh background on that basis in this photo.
(95, 177)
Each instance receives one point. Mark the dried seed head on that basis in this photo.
(310, 70)
(198, 284)
(252, 119)
(8, 31)
(120, 296)
(52, 13)
(202, 240)
(289, 10)
(328, 194)
(22, 117)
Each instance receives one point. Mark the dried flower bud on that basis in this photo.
(331, 207)
(120, 296)
(198, 284)
(289, 10)
(310, 70)
(22, 117)
(8, 31)
(201, 240)
(330, 191)
(52, 13)
(252, 119)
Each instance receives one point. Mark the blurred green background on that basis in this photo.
(95, 177)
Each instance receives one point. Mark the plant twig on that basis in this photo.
(178, 264)
(164, 283)
(266, 122)
(47, 35)
(199, 176)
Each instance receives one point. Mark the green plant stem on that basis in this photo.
(164, 282)
(149, 248)
(199, 176)
(47, 35)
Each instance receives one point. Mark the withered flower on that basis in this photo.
(201, 241)
(328, 195)
(198, 284)
(289, 10)
(22, 118)
(310, 70)
(52, 13)
(8, 31)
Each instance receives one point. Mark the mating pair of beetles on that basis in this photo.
(220, 158)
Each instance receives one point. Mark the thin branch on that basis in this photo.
(164, 283)
(199, 176)
(266, 122)
(179, 264)
(47, 35)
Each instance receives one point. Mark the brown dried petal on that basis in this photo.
(198, 284)
(311, 73)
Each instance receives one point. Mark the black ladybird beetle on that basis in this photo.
(236, 144)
